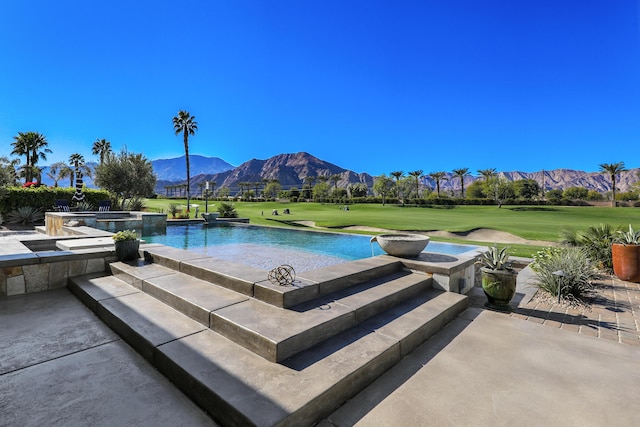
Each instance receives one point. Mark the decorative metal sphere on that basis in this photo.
(282, 275)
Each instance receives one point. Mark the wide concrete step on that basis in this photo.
(277, 334)
(239, 387)
(270, 331)
(255, 282)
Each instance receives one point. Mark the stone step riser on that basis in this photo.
(279, 351)
(254, 340)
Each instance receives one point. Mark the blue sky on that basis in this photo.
(371, 86)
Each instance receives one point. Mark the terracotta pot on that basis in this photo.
(499, 286)
(127, 250)
(626, 262)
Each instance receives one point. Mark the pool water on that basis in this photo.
(266, 247)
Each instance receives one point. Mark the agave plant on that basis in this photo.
(628, 237)
(84, 206)
(25, 215)
(495, 258)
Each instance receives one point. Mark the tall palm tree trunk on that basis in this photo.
(186, 152)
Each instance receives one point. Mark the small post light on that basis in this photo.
(561, 274)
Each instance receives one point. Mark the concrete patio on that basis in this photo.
(61, 365)
(542, 364)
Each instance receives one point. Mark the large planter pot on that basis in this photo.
(127, 250)
(499, 286)
(402, 245)
(626, 262)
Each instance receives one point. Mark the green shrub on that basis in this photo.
(568, 270)
(595, 241)
(227, 210)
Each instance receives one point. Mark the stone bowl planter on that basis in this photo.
(402, 245)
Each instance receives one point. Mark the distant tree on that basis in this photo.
(8, 176)
(417, 174)
(244, 186)
(58, 171)
(461, 173)
(500, 189)
(397, 175)
(593, 195)
(438, 177)
(224, 192)
(613, 169)
(526, 188)
(126, 175)
(358, 190)
(476, 190)
(33, 146)
(334, 180)
(575, 193)
(321, 191)
(309, 181)
(383, 186)
(100, 148)
(186, 124)
(272, 189)
(294, 193)
(554, 196)
(487, 173)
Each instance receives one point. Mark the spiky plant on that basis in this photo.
(628, 237)
(595, 241)
(495, 258)
(25, 215)
(227, 210)
(569, 271)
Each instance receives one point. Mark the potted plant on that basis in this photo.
(498, 278)
(127, 245)
(625, 252)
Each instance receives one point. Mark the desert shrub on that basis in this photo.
(25, 215)
(595, 241)
(135, 204)
(568, 270)
(227, 210)
(173, 209)
(85, 206)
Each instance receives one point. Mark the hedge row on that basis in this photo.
(45, 198)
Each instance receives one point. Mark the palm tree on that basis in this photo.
(438, 177)
(100, 148)
(487, 173)
(334, 180)
(56, 172)
(30, 144)
(186, 124)
(397, 175)
(417, 174)
(461, 173)
(613, 169)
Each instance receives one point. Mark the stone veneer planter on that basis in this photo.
(42, 271)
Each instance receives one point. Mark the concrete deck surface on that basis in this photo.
(61, 366)
(494, 370)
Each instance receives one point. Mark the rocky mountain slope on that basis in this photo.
(291, 169)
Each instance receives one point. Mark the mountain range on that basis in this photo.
(291, 169)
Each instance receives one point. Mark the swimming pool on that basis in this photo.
(266, 247)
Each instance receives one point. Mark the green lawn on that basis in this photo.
(529, 222)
